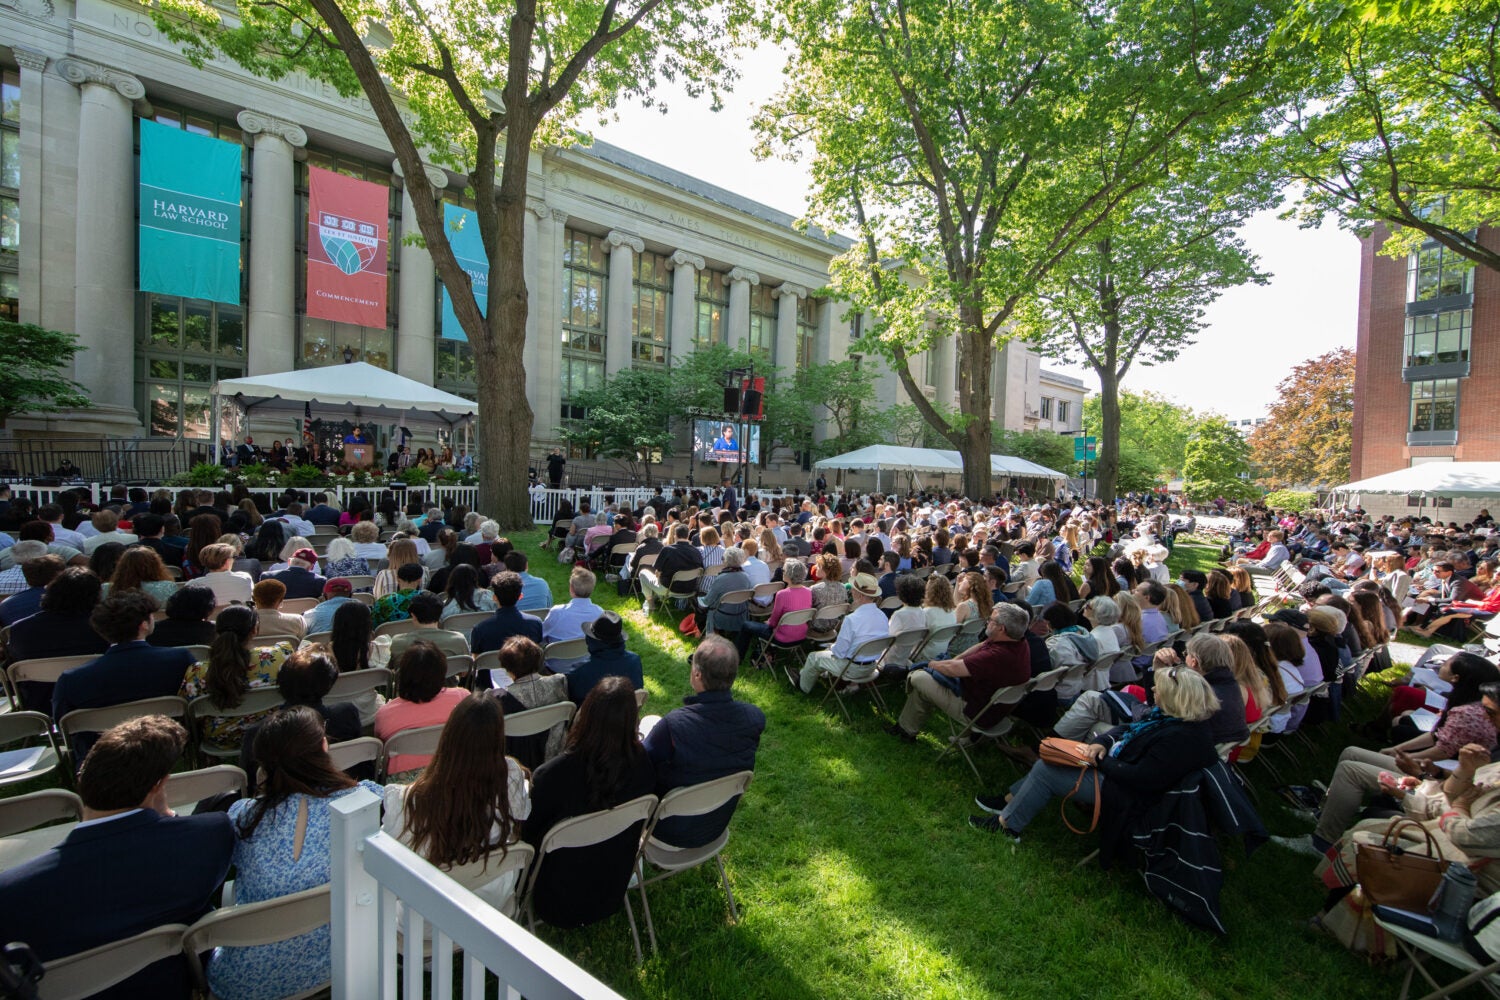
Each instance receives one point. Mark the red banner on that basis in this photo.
(346, 249)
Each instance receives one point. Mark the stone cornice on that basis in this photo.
(741, 274)
(27, 59)
(615, 239)
(80, 72)
(259, 123)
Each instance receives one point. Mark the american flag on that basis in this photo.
(307, 417)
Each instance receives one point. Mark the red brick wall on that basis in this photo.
(1382, 402)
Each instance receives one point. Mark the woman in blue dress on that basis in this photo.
(284, 846)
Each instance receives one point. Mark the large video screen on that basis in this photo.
(719, 441)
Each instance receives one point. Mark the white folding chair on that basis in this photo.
(248, 925)
(88, 972)
(357, 682)
(692, 800)
(97, 720)
(41, 755)
(352, 753)
(257, 701)
(1418, 948)
(465, 621)
(396, 628)
(859, 668)
(420, 742)
(24, 833)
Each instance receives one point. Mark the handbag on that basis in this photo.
(1072, 753)
(689, 626)
(1393, 875)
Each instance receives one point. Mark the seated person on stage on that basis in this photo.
(131, 865)
(710, 736)
(962, 687)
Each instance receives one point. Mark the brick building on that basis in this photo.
(1427, 369)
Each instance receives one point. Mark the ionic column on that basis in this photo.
(272, 314)
(416, 313)
(949, 389)
(619, 328)
(33, 65)
(685, 267)
(737, 330)
(787, 296)
(104, 289)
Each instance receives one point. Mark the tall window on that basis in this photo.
(584, 297)
(1062, 411)
(762, 344)
(807, 330)
(653, 304)
(713, 306)
(1046, 407)
(322, 342)
(1438, 338)
(1436, 273)
(185, 345)
(10, 193)
(1434, 406)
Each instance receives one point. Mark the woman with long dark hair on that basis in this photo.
(283, 846)
(1098, 581)
(466, 592)
(203, 531)
(268, 542)
(603, 766)
(350, 640)
(234, 667)
(141, 569)
(468, 804)
(104, 559)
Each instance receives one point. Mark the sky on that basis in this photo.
(1253, 335)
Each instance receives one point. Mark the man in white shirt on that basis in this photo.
(755, 568)
(53, 515)
(106, 523)
(294, 520)
(864, 623)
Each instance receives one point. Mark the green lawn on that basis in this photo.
(857, 876)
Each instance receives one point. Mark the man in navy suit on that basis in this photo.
(299, 577)
(506, 621)
(129, 670)
(131, 865)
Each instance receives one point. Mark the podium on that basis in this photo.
(358, 456)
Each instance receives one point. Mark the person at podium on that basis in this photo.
(356, 436)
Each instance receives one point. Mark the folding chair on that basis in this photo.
(30, 761)
(465, 621)
(44, 670)
(944, 634)
(824, 627)
(366, 598)
(693, 800)
(352, 753)
(257, 701)
(962, 738)
(968, 634)
(361, 583)
(317, 638)
(461, 669)
(187, 788)
(1096, 678)
(200, 653)
(859, 669)
(586, 831)
(298, 605)
(890, 604)
(89, 972)
(23, 831)
(357, 682)
(539, 720)
(97, 720)
(564, 650)
(396, 627)
(899, 653)
(1418, 948)
(764, 656)
(477, 874)
(422, 742)
(247, 925)
(760, 612)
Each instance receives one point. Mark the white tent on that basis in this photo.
(357, 391)
(1438, 478)
(887, 457)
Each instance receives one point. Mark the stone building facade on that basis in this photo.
(627, 262)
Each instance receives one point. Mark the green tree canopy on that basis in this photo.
(1216, 462)
(1154, 430)
(962, 142)
(34, 360)
(475, 85)
(629, 418)
(1399, 119)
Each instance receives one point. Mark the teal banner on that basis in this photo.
(189, 214)
(462, 227)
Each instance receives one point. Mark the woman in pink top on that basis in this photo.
(421, 700)
(795, 596)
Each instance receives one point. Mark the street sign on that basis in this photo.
(1085, 449)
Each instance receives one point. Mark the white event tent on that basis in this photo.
(1432, 479)
(355, 391)
(894, 458)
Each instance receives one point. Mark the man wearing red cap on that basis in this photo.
(300, 578)
(336, 592)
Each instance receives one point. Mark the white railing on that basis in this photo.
(372, 872)
(545, 501)
(41, 495)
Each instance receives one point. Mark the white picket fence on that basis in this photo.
(373, 872)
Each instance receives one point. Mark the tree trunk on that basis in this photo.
(976, 361)
(1107, 471)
